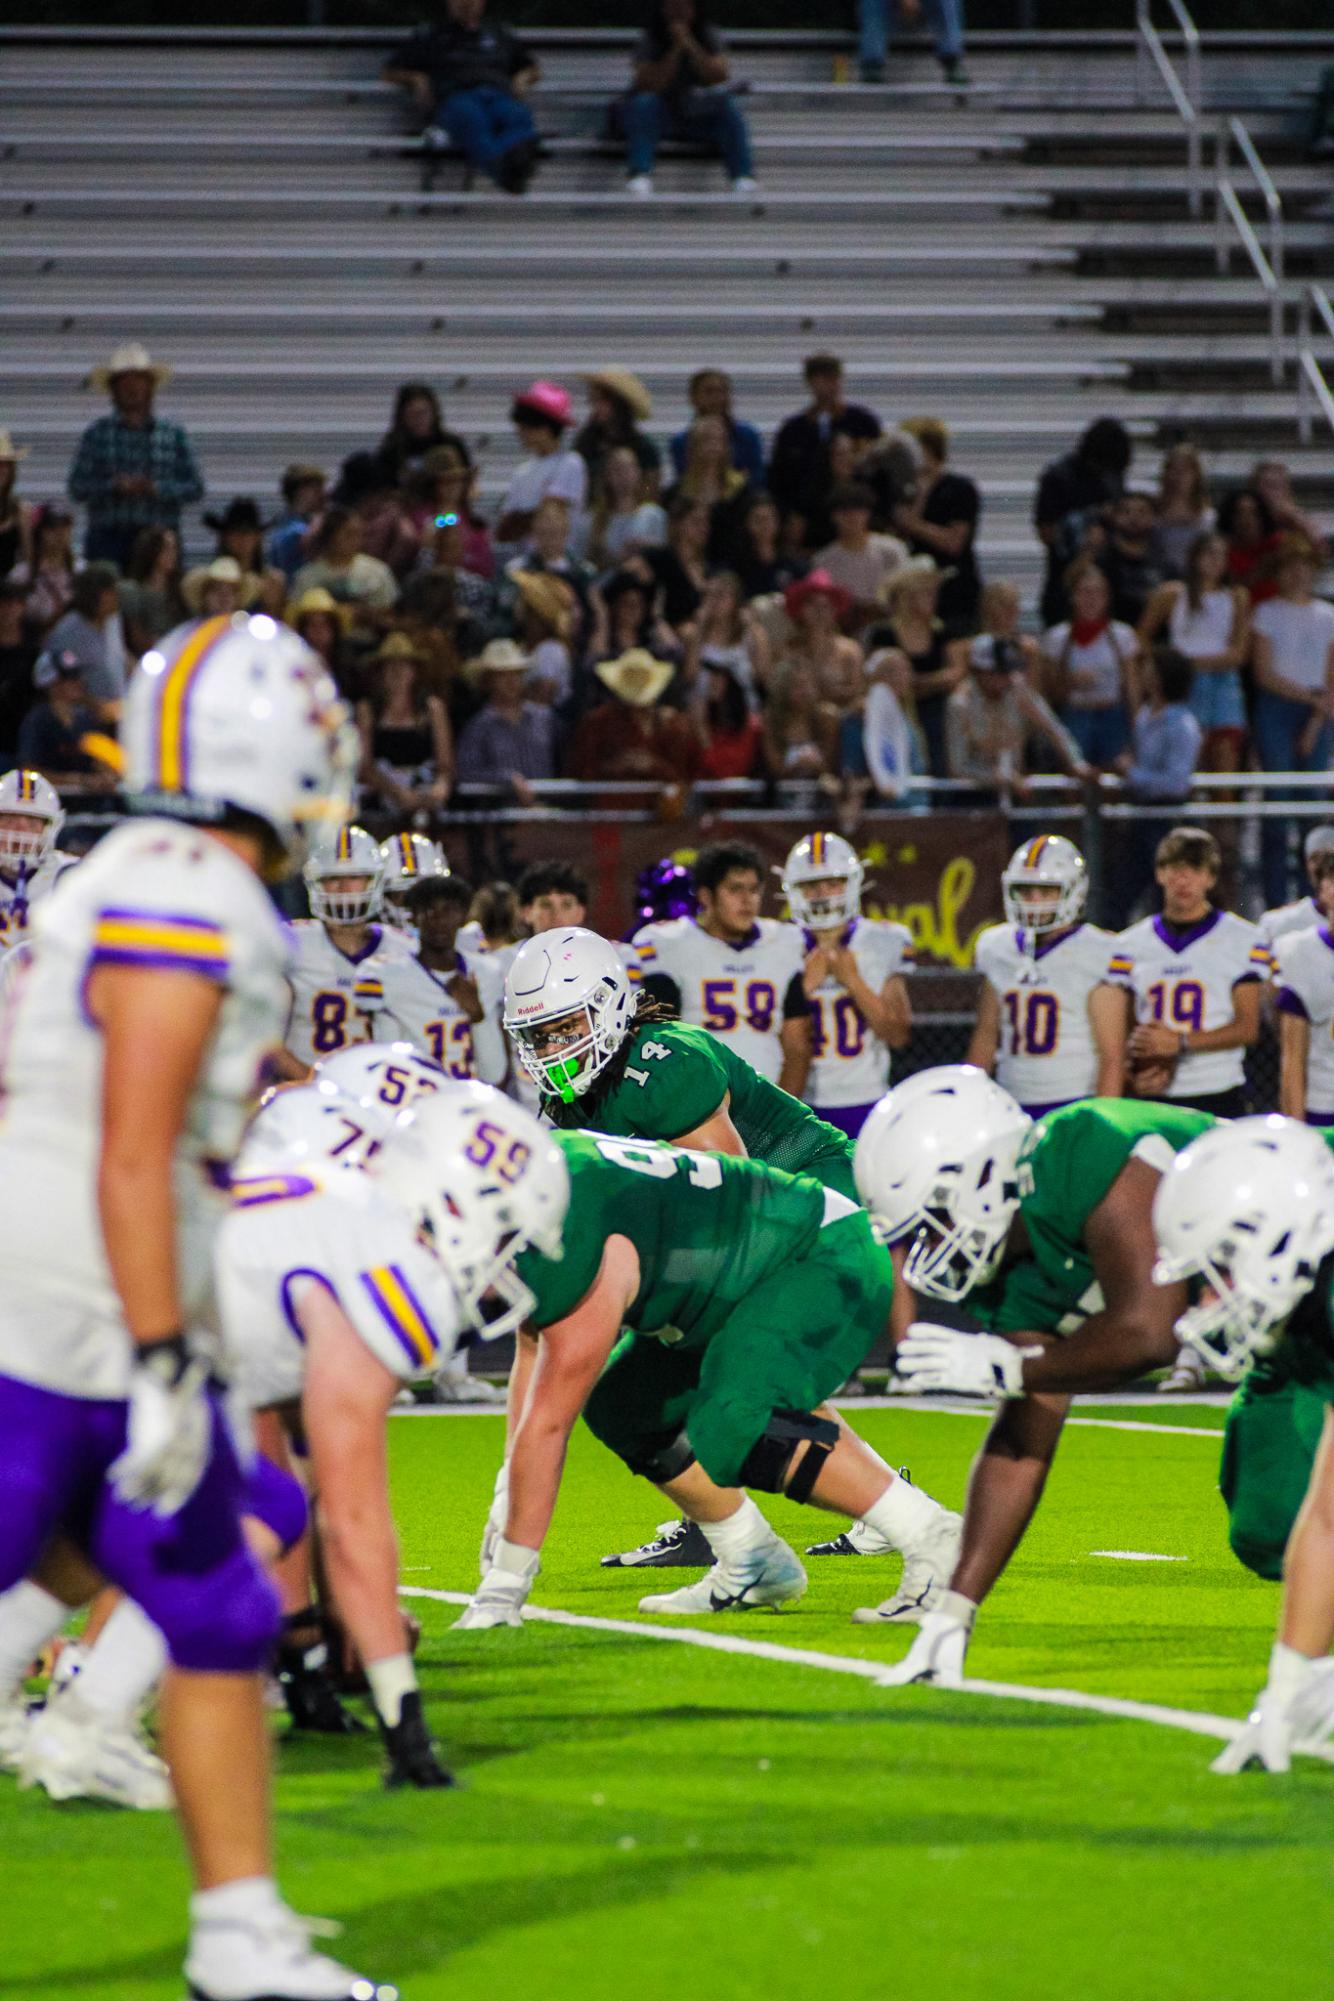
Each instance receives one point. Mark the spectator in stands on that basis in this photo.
(541, 415)
(883, 746)
(339, 565)
(627, 619)
(15, 514)
(1294, 682)
(217, 589)
(713, 481)
(1000, 642)
(1184, 513)
(150, 593)
(511, 741)
(240, 532)
(623, 518)
(727, 636)
(471, 78)
(132, 469)
(710, 392)
(446, 499)
(91, 630)
(680, 569)
(876, 18)
(1125, 551)
(416, 429)
(468, 604)
(388, 531)
(1158, 771)
(992, 720)
(51, 733)
(618, 403)
(861, 562)
(799, 465)
(913, 627)
(817, 608)
(1207, 619)
(730, 729)
(303, 502)
(763, 566)
(1071, 490)
(1271, 479)
(679, 91)
(548, 620)
(941, 520)
(315, 617)
(631, 734)
(800, 729)
(18, 652)
(48, 574)
(1247, 524)
(407, 749)
(1093, 668)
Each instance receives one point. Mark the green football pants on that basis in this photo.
(1269, 1445)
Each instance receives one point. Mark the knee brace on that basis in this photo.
(765, 1466)
(276, 1499)
(667, 1462)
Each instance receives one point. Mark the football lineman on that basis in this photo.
(1248, 1209)
(733, 972)
(1044, 1228)
(853, 979)
(31, 817)
(606, 1058)
(337, 976)
(407, 859)
(132, 1038)
(1048, 1025)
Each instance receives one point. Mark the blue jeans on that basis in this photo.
(1277, 725)
(486, 124)
(1102, 734)
(712, 116)
(876, 18)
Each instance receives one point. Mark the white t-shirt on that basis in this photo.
(558, 476)
(1046, 1054)
(1185, 980)
(1300, 636)
(1104, 658)
(1304, 976)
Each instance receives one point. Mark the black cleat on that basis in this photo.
(679, 1545)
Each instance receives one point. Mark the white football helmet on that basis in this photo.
(1249, 1208)
(1048, 863)
(568, 1009)
(380, 1079)
(238, 714)
(823, 858)
(343, 878)
(484, 1180)
(937, 1160)
(30, 798)
(407, 859)
(299, 1126)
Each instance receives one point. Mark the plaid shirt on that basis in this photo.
(160, 449)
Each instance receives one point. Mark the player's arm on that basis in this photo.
(1109, 1024)
(795, 1038)
(289, 1068)
(462, 990)
(716, 1134)
(1294, 1045)
(888, 1014)
(984, 1043)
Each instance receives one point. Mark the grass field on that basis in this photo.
(663, 1823)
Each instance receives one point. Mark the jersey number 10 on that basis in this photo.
(1034, 1020)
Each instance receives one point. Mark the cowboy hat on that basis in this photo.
(313, 600)
(626, 387)
(819, 584)
(222, 570)
(911, 572)
(635, 677)
(241, 513)
(498, 656)
(550, 597)
(11, 453)
(396, 646)
(546, 400)
(130, 358)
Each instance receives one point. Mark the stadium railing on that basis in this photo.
(1228, 208)
(1312, 387)
(1187, 96)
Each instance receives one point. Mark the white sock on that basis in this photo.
(125, 1663)
(739, 1534)
(249, 1899)
(29, 1617)
(902, 1513)
(391, 1679)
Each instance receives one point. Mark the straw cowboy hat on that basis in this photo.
(626, 387)
(636, 677)
(396, 646)
(10, 453)
(313, 600)
(911, 572)
(130, 358)
(222, 570)
(499, 656)
(550, 597)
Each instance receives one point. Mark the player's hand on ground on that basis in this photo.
(937, 1654)
(1266, 1738)
(500, 1597)
(169, 1428)
(931, 1357)
(412, 1759)
(495, 1521)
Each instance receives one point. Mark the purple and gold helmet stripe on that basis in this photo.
(260, 1189)
(173, 748)
(343, 845)
(1035, 850)
(27, 787)
(817, 850)
(407, 855)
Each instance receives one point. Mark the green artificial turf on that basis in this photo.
(644, 1822)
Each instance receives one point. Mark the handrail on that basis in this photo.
(1311, 383)
(1228, 207)
(1188, 98)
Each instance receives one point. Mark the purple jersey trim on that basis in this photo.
(1041, 946)
(1056, 1105)
(848, 1118)
(126, 915)
(1289, 1002)
(1320, 1118)
(1177, 941)
(208, 968)
(752, 937)
(285, 1294)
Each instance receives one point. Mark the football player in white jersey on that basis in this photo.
(407, 859)
(31, 817)
(337, 976)
(853, 979)
(1318, 849)
(733, 972)
(1048, 1027)
(1304, 988)
(433, 999)
(131, 1042)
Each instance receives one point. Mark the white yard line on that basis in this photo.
(1197, 1722)
(853, 1404)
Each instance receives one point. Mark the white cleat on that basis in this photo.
(771, 1575)
(73, 1754)
(928, 1565)
(745, 185)
(639, 187)
(1187, 1375)
(15, 1722)
(936, 1655)
(270, 1959)
(858, 1539)
(461, 1386)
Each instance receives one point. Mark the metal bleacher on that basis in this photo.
(1018, 259)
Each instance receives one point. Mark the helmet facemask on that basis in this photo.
(349, 895)
(564, 1053)
(24, 847)
(960, 1231)
(837, 903)
(1254, 1286)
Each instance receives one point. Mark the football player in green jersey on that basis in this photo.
(745, 1295)
(1249, 1209)
(635, 1072)
(1045, 1229)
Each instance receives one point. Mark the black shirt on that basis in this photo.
(799, 464)
(48, 744)
(954, 498)
(1068, 486)
(653, 46)
(17, 694)
(459, 58)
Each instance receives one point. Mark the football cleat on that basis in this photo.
(772, 1575)
(15, 1721)
(309, 1684)
(455, 1383)
(928, 1565)
(1186, 1374)
(73, 1753)
(270, 1959)
(859, 1540)
(679, 1545)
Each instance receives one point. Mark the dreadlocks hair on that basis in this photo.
(648, 1014)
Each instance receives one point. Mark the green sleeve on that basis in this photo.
(671, 1083)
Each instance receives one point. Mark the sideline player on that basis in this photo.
(155, 988)
(1048, 1025)
(605, 1058)
(405, 860)
(1304, 984)
(1044, 1228)
(1318, 850)
(31, 817)
(337, 976)
(853, 979)
(432, 999)
(733, 972)
(1249, 1210)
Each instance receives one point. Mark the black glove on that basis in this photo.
(307, 1682)
(412, 1757)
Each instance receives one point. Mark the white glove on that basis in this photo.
(1266, 1737)
(503, 1591)
(937, 1654)
(495, 1521)
(971, 1365)
(169, 1430)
